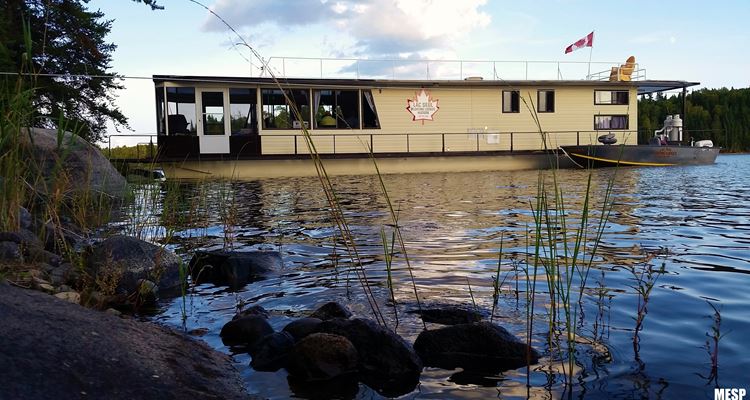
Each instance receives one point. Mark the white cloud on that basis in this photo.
(379, 28)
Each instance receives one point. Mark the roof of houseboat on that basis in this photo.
(643, 86)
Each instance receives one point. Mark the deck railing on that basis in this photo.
(423, 69)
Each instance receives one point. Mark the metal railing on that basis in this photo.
(304, 67)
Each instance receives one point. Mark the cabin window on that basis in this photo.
(242, 112)
(212, 111)
(161, 123)
(545, 100)
(604, 97)
(610, 122)
(511, 101)
(336, 109)
(181, 111)
(369, 112)
(278, 113)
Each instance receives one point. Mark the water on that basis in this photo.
(697, 219)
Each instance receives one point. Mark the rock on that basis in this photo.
(254, 310)
(136, 260)
(49, 351)
(245, 331)
(321, 357)
(25, 219)
(331, 310)
(84, 168)
(270, 352)
(40, 255)
(60, 240)
(232, 268)
(385, 361)
(480, 346)
(10, 252)
(59, 276)
(148, 292)
(45, 287)
(302, 327)
(114, 312)
(71, 297)
(450, 315)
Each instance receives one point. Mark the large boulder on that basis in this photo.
(448, 315)
(72, 161)
(302, 327)
(386, 362)
(136, 260)
(480, 346)
(322, 357)
(233, 268)
(245, 331)
(331, 310)
(270, 352)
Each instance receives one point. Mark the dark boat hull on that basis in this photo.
(640, 155)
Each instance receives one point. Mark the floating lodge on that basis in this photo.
(247, 128)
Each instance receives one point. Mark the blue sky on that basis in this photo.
(685, 40)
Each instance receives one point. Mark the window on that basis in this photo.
(212, 111)
(545, 100)
(242, 113)
(336, 109)
(620, 97)
(181, 111)
(610, 122)
(510, 101)
(369, 113)
(160, 122)
(278, 114)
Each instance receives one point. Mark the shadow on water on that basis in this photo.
(452, 224)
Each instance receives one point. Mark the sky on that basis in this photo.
(688, 40)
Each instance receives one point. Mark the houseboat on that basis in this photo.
(246, 127)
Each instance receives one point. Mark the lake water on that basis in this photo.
(695, 220)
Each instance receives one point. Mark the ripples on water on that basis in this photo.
(453, 223)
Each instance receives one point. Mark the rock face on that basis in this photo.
(302, 327)
(270, 352)
(83, 165)
(321, 357)
(136, 260)
(476, 347)
(52, 349)
(331, 310)
(245, 331)
(449, 315)
(233, 268)
(10, 252)
(385, 361)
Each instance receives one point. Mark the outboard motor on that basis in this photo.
(607, 139)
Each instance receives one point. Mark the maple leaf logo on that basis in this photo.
(423, 107)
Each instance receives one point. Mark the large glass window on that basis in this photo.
(242, 111)
(369, 112)
(212, 104)
(620, 97)
(545, 100)
(610, 122)
(161, 123)
(336, 109)
(511, 100)
(278, 113)
(181, 111)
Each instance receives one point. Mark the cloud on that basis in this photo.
(378, 28)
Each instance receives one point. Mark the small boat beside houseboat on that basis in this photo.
(246, 127)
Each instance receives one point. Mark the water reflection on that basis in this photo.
(452, 224)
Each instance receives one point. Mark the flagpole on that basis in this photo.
(591, 51)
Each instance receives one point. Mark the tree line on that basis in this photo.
(721, 115)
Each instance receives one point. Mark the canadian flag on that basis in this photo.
(587, 41)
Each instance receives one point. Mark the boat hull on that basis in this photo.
(592, 156)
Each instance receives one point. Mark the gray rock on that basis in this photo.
(24, 218)
(233, 268)
(148, 292)
(83, 165)
(448, 315)
(480, 346)
(331, 310)
(270, 352)
(40, 255)
(253, 310)
(60, 275)
(386, 362)
(136, 260)
(52, 349)
(245, 331)
(70, 297)
(321, 357)
(10, 252)
(302, 327)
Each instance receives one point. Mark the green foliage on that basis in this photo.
(722, 115)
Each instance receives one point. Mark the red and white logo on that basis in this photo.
(422, 107)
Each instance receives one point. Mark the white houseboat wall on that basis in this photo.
(244, 127)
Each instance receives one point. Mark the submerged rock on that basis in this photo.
(480, 346)
(245, 331)
(321, 357)
(385, 361)
(270, 352)
(449, 315)
(331, 310)
(232, 268)
(256, 310)
(302, 327)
